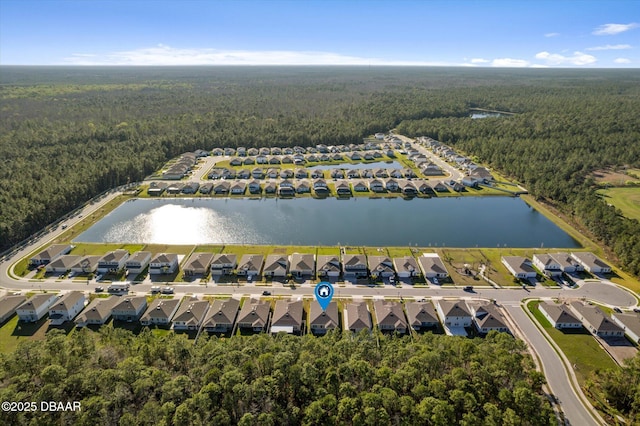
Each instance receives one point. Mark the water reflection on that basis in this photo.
(454, 222)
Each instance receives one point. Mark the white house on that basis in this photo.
(519, 266)
(559, 316)
(113, 261)
(66, 307)
(630, 323)
(138, 262)
(591, 262)
(35, 308)
(454, 316)
(163, 263)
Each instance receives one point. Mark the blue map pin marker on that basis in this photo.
(324, 293)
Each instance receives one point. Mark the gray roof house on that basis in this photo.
(406, 266)
(560, 316)
(421, 315)
(630, 323)
(88, 264)
(287, 317)
(432, 266)
(138, 262)
(198, 264)
(49, 254)
(454, 315)
(275, 265)
(190, 314)
(250, 264)
(380, 266)
(321, 321)
(223, 264)
(221, 316)
(36, 307)
(97, 312)
(519, 266)
(328, 266)
(129, 308)
(390, 316)
(302, 264)
(354, 266)
(254, 315)
(160, 312)
(113, 261)
(163, 263)
(62, 264)
(487, 317)
(547, 264)
(357, 317)
(591, 262)
(67, 307)
(8, 305)
(596, 321)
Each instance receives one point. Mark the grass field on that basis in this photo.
(579, 346)
(626, 199)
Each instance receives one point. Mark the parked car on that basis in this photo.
(167, 290)
(99, 289)
(266, 293)
(468, 288)
(155, 289)
(618, 310)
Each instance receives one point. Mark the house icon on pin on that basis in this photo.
(324, 291)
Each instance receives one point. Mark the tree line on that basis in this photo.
(123, 379)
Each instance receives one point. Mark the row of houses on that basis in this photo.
(222, 316)
(474, 174)
(367, 145)
(288, 187)
(578, 315)
(299, 265)
(180, 167)
(302, 173)
(554, 264)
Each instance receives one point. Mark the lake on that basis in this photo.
(450, 221)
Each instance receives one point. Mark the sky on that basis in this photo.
(488, 33)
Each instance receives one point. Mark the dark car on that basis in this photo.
(468, 288)
(618, 310)
(266, 293)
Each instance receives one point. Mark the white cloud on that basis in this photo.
(578, 58)
(479, 61)
(610, 47)
(167, 55)
(552, 34)
(613, 29)
(622, 61)
(509, 63)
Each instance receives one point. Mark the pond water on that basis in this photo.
(451, 222)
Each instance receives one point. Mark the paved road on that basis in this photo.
(575, 411)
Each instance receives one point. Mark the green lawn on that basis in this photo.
(579, 346)
(627, 199)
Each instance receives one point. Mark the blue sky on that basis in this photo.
(523, 33)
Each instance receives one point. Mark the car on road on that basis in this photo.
(99, 289)
(64, 226)
(266, 293)
(155, 289)
(167, 290)
(618, 310)
(636, 309)
(468, 288)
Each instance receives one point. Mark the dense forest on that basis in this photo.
(67, 134)
(122, 379)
